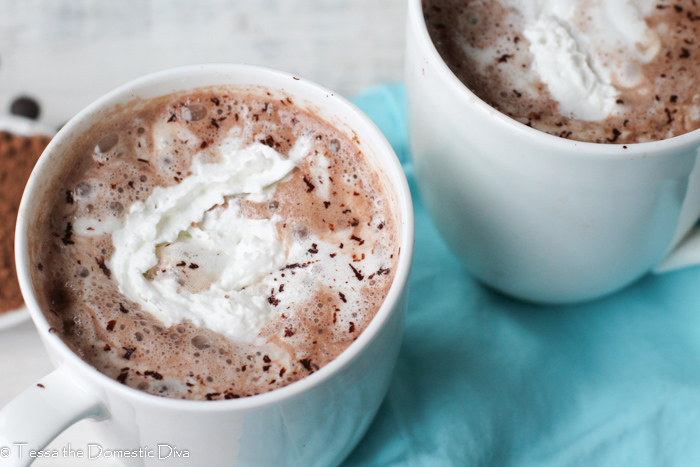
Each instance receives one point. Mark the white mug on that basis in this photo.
(536, 216)
(315, 421)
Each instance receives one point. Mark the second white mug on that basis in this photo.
(539, 217)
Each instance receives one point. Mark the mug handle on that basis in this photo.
(40, 413)
(686, 253)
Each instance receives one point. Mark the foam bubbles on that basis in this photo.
(194, 112)
(107, 143)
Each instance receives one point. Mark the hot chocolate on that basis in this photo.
(618, 71)
(214, 244)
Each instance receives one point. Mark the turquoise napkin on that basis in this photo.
(486, 380)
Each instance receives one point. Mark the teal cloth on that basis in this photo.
(484, 380)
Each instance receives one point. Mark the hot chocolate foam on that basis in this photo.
(617, 71)
(312, 216)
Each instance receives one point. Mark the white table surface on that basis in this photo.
(66, 53)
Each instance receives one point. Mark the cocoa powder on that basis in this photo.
(18, 154)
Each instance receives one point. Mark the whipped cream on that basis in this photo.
(586, 50)
(187, 252)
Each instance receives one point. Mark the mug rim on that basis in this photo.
(569, 147)
(385, 160)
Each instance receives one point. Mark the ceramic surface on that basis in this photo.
(536, 216)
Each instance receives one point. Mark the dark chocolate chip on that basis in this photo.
(25, 107)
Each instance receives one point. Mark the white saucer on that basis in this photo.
(23, 126)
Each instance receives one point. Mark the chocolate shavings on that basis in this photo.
(357, 239)
(103, 267)
(123, 375)
(272, 300)
(307, 364)
(310, 186)
(153, 374)
(127, 352)
(67, 236)
(357, 273)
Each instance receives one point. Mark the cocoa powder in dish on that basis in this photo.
(18, 154)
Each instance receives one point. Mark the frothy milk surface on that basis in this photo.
(214, 244)
(606, 71)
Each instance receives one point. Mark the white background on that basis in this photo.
(69, 52)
